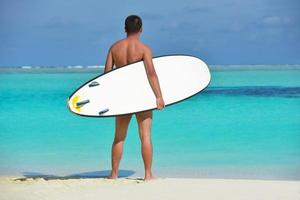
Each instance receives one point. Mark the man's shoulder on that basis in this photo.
(146, 47)
(117, 43)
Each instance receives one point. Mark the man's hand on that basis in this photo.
(160, 103)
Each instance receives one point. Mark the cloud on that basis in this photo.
(59, 23)
(236, 27)
(276, 20)
(151, 16)
(192, 10)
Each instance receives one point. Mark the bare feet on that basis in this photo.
(149, 178)
(112, 176)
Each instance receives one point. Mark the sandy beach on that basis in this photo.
(12, 188)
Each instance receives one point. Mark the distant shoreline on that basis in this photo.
(96, 68)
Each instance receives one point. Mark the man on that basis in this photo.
(123, 52)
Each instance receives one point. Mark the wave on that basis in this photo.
(75, 67)
(26, 67)
(212, 67)
(95, 66)
(54, 67)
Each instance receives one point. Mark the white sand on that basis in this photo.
(165, 189)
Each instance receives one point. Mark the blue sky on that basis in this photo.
(65, 32)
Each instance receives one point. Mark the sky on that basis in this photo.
(77, 32)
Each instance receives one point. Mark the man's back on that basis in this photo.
(127, 51)
(130, 50)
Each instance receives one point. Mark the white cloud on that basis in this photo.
(276, 20)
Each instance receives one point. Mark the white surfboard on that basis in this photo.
(127, 90)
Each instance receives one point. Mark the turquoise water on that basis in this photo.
(245, 125)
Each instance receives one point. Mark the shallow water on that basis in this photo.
(246, 124)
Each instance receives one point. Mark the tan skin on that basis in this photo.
(123, 52)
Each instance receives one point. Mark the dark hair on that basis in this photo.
(133, 24)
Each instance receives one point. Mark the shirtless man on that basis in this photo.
(123, 52)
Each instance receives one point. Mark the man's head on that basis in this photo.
(133, 24)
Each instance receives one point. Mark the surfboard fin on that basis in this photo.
(81, 103)
(103, 111)
(93, 84)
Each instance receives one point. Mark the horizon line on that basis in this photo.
(102, 66)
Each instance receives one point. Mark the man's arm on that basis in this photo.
(152, 77)
(109, 62)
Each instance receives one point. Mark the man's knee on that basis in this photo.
(145, 139)
(119, 138)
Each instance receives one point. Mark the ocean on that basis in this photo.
(246, 124)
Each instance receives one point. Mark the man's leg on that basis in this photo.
(121, 126)
(144, 120)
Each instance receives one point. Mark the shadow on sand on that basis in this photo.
(84, 175)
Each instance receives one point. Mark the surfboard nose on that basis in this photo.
(75, 103)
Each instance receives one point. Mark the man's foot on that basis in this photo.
(149, 178)
(112, 176)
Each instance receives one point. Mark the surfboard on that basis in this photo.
(126, 89)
